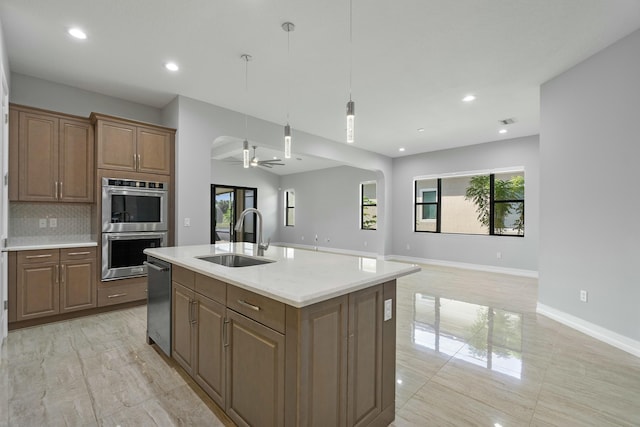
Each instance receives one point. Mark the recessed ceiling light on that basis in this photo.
(502, 131)
(171, 66)
(401, 149)
(77, 33)
(275, 158)
(469, 98)
(420, 129)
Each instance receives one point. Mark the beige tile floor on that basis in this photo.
(471, 351)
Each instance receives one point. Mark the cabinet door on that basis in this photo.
(14, 154)
(116, 146)
(38, 157)
(255, 373)
(209, 363)
(154, 151)
(182, 327)
(77, 285)
(364, 378)
(76, 161)
(38, 290)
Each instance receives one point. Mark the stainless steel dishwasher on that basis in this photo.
(159, 303)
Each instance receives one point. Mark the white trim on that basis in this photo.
(470, 173)
(466, 266)
(598, 332)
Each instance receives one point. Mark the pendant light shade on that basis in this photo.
(245, 154)
(287, 141)
(350, 121)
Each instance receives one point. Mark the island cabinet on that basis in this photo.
(51, 281)
(127, 145)
(267, 363)
(51, 155)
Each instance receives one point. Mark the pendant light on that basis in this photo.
(350, 104)
(288, 27)
(245, 144)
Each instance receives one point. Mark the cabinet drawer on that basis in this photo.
(67, 254)
(121, 293)
(212, 288)
(183, 276)
(265, 310)
(43, 255)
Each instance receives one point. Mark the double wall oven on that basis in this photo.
(134, 217)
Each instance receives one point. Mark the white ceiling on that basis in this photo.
(413, 60)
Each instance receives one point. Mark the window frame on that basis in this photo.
(287, 207)
(492, 201)
(363, 205)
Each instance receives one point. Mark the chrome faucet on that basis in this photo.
(261, 245)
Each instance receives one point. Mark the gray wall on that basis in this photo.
(34, 92)
(517, 253)
(327, 204)
(589, 153)
(200, 124)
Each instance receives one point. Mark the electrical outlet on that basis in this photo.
(53, 222)
(43, 222)
(408, 247)
(301, 237)
(187, 222)
(583, 295)
(499, 255)
(365, 243)
(388, 309)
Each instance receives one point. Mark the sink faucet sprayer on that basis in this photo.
(261, 245)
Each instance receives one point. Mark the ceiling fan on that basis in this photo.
(255, 161)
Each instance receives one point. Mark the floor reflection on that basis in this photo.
(480, 335)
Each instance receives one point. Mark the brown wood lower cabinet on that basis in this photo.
(269, 364)
(54, 281)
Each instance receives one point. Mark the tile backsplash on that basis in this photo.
(72, 219)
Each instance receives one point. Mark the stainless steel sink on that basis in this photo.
(234, 260)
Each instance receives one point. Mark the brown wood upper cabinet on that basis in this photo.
(131, 146)
(52, 157)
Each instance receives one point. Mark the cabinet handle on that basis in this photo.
(60, 190)
(116, 295)
(225, 333)
(251, 306)
(38, 256)
(78, 253)
(135, 162)
(64, 272)
(55, 195)
(57, 273)
(139, 161)
(192, 312)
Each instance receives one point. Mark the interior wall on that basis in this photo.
(589, 155)
(200, 124)
(39, 93)
(267, 184)
(519, 253)
(328, 205)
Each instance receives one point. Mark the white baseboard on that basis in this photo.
(598, 332)
(466, 266)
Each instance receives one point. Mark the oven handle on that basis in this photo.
(133, 236)
(155, 267)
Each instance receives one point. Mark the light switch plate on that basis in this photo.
(53, 222)
(43, 223)
(388, 309)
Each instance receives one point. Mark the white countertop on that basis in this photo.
(48, 242)
(298, 278)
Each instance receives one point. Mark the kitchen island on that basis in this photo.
(307, 339)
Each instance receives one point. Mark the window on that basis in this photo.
(427, 205)
(489, 204)
(290, 208)
(368, 206)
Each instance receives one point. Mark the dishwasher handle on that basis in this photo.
(155, 267)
